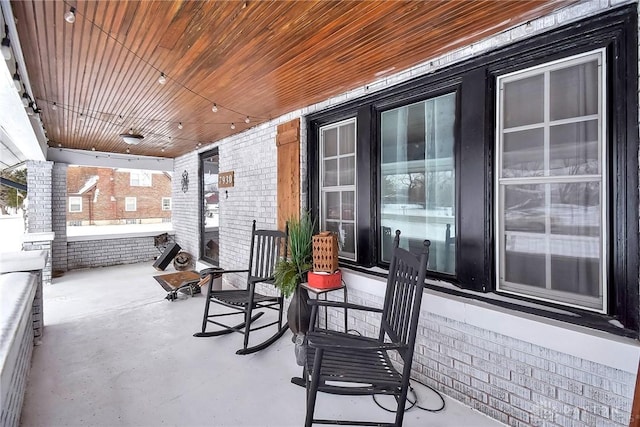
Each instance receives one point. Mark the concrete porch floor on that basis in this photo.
(116, 353)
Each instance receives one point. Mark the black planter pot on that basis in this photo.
(299, 312)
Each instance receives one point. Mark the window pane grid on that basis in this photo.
(552, 123)
(75, 204)
(338, 184)
(550, 185)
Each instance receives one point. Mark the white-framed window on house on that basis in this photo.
(130, 204)
(551, 182)
(338, 184)
(417, 179)
(166, 203)
(140, 178)
(75, 204)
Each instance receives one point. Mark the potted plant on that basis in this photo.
(292, 270)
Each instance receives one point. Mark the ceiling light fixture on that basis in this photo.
(214, 108)
(81, 118)
(162, 79)
(131, 138)
(93, 148)
(233, 126)
(180, 126)
(128, 151)
(70, 15)
(54, 106)
(25, 99)
(247, 120)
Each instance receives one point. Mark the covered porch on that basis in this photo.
(418, 91)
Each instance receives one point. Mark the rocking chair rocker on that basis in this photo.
(266, 247)
(342, 363)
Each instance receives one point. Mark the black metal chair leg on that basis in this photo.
(313, 389)
(247, 329)
(401, 404)
(206, 305)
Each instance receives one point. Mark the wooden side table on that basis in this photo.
(319, 291)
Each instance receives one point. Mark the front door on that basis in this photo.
(210, 212)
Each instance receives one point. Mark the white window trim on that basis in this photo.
(139, 174)
(170, 204)
(127, 201)
(341, 188)
(75, 198)
(499, 233)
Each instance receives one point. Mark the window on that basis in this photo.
(338, 186)
(417, 189)
(551, 182)
(520, 166)
(166, 203)
(130, 204)
(140, 179)
(75, 204)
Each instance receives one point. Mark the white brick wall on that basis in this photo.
(105, 252)
(185, 206)
(511, 380)
(253, 158)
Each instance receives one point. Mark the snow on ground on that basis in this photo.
(11, 231)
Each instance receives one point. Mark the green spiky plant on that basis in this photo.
(290, 271)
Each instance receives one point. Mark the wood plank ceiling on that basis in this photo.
(255, 59)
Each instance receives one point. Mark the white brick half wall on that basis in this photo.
(101, 252)
(519, 369)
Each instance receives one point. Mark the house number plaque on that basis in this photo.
(225, 179)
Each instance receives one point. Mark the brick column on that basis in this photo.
(39, 212)
(59, 216)
(39, 176)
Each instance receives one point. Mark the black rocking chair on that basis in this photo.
(266, 248)
(348, 364)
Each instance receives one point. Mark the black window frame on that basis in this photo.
(201, 207)
(475, 81)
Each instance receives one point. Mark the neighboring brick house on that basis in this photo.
(102, 196)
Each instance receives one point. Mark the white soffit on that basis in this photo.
(19, 141)
(108, 160)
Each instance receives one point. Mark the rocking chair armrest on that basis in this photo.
(331, 342)
(339, 304)
(261, 279)
(216, 270)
